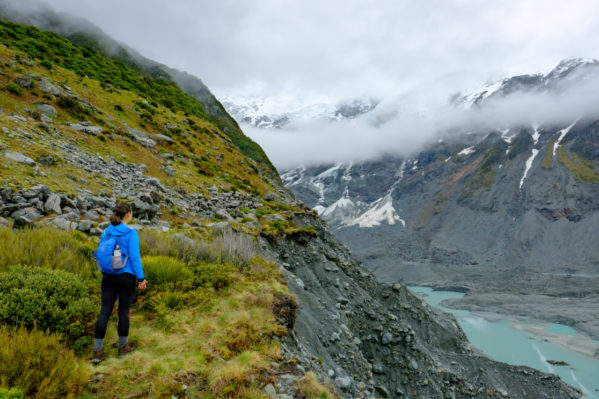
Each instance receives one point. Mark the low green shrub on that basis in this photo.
(165, 272)
(11, 393)
(52, 300)
(14, 88)
(166, 300)
(217, 276)
(48, 248)
(38, 365)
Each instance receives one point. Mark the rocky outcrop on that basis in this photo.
(479, 211)
(370, 340)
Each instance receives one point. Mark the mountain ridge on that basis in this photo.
(73, 145)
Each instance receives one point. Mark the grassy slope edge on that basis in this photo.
(208, 326)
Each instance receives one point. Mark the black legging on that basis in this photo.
(121, 286)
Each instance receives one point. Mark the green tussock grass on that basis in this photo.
(39, 365)
(206, 156)
(48, 248)
(84, 59)
(309, 387)
(165, 271)
(208, 325)
(580, 167)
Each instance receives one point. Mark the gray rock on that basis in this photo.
(91, 215)
(25, 81)
(170, 172)
(143, 210)
(103, 225)
(377, 368)
(52, 204)
(381, 390)
(270, 391)
(343, 382)
(47, 110)
(142, 138)
(22, 222)
(29, 212)
(46, 87)
(17, 117)
(223, 214)
(95, 231)
(23, 133)
(47, 161)
(343, 300)
(18, 157)
(85, 128)
(72, 216)
(414, 364)
(4, 222)
(387, 338)
(65, 224)
(162, 138)
(85, 226)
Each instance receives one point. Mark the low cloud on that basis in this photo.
(403, 126)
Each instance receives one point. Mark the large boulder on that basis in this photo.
(47, 110)
(52, 204)
(46, 87)
(25, 81)
(29, 212)
(143, 210)
(21, 222)
(142, 138)
(18, 157)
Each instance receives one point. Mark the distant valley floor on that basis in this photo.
(566, 299)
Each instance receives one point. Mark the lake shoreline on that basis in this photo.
(580, 342)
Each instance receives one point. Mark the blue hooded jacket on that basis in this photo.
(128, 240)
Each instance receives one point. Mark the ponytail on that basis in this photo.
(120, 210)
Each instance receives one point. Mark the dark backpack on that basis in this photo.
(108, 255)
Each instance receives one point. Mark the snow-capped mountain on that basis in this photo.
(507, 209)
(265, 112)
(562, 76)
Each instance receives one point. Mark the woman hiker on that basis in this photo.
(119, 283)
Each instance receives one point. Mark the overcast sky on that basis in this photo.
(348, 48)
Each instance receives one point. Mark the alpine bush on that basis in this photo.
(214, 276)
(164, 272)
(38, 365)
(52, 300)
(47, 248)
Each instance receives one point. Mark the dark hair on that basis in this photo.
(119, 212)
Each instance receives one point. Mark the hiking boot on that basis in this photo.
(98, 356)
(125, 350)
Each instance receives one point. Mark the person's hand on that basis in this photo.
(142, 284)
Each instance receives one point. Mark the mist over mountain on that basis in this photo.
(491, 192)
(406, 124)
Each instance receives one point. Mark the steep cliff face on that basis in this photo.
(506, 211)
(75, 141)
(373, 340)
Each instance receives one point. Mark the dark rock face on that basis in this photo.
(480, 211)
(372, 340)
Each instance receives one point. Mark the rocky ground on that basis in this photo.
(372, 340)
(123, 181)
(570, 300)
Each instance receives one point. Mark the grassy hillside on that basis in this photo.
(208, 326)
(207, 321)
(51, 50)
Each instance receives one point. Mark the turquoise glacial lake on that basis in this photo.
(502, 342)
